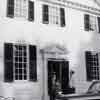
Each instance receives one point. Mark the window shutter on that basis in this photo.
(62, 17)
(99, 24)
(31, 11)
(88, 58)
(45, 14)
(32, 63)
(65, 76)
(87, 22)
(8, 62)
(10, 8)
(97, 58)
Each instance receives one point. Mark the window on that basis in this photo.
(92, 66)
(19, 62)
(20, 8)
(91, 23)
(53, 15)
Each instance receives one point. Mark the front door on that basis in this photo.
(61, 71)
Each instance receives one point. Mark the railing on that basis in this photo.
(78, 96)
(6, 98)
(92, 93)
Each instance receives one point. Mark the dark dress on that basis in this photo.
(53, 92)
(55, 88)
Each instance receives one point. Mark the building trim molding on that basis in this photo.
(74, 5)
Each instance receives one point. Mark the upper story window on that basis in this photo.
(92, 66)
(20, 8)
(91, 23)
(19, 62)
(53, 15)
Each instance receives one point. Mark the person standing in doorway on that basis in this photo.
(53, 86)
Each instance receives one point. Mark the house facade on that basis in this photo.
(42, 37)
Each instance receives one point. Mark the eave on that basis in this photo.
(74, 5)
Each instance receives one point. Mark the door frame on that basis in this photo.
(53, 51)
(58, 60)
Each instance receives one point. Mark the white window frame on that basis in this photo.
(21, 9)
(95, 67)
(27, 63)
(54, 15)
(93, 23)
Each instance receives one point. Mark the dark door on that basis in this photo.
(61, 70)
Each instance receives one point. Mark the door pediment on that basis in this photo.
(55, 48)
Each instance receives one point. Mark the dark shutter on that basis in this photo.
(32, 63)
(8, 62)
(99, 24)
(62, 17)
(87, 22)
(31, 11)
(97, 59)
(65, 76)
(88, 58)
(10, 8)
(45, 14)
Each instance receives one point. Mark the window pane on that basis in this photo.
(20, 71)
(25, 77)
(20, 77)
(20, 59)
(16, 65)
(20, 53)
(25, 59)
(16, 59)
(20, 47)
(16, 77)
(24, 47)
(20, 65)
(16, 71)
(24, 65)
(16, 53)
(25, 71)
(25, 53)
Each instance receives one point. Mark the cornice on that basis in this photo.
(74, 5)
(97, 2)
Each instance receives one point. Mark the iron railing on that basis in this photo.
(95, 96)
(93, 92)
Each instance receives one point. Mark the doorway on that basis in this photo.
(61, 70)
